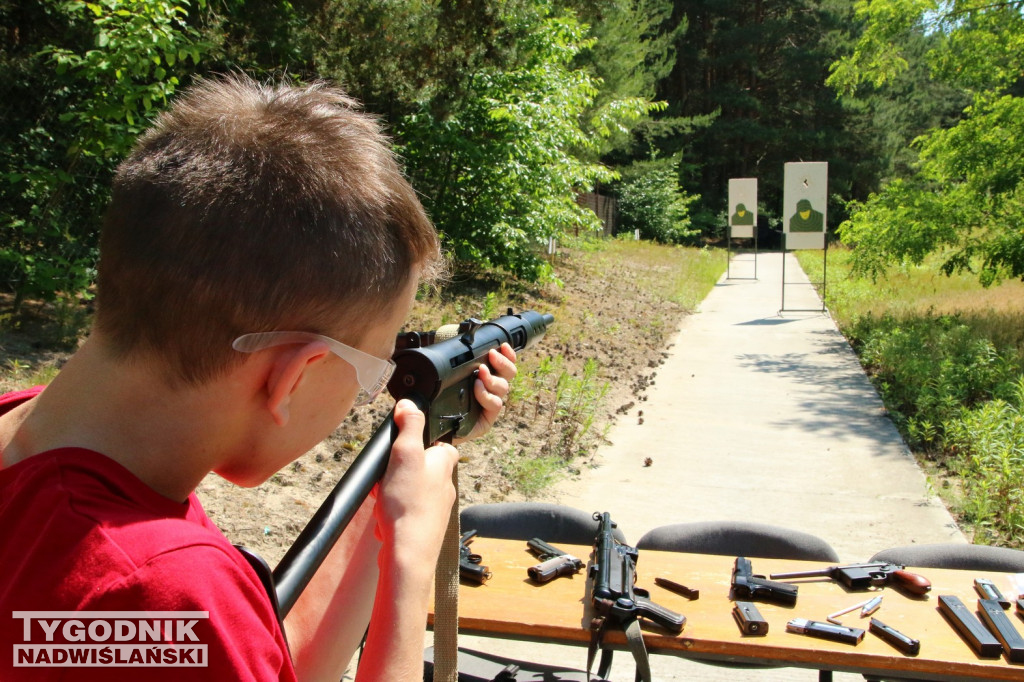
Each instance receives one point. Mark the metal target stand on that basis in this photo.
(824, 282)
(728, 252)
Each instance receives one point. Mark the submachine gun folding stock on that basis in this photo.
(436, 370)
(618, 601)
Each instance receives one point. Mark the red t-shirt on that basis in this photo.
(80, 534)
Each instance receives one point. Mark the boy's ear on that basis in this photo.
(287, 374)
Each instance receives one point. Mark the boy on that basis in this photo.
(246, 209)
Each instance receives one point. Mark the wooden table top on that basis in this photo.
(510, 605)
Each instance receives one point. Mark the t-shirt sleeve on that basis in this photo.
(241, 634)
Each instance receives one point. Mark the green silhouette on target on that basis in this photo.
(806, 219)
(742, 216)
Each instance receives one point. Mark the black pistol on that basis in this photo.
(747, 586)
(470, 566)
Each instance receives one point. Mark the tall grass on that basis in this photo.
(683, 275)
(947, 356)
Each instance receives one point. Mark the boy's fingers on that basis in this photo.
(504, 361)
(491, 384)
(492, 401)
(410, 421)
(447, 450)
(508, 351)
(407, 413)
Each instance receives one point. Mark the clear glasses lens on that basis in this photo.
(372, 372)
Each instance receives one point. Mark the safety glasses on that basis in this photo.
(372, 372)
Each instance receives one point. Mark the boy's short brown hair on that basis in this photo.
(250, 208)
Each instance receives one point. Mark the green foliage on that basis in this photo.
(531, 474)
(103, 68)
(498, 172)
(127, 73)
(966, 192)
(633, 49)
(927, 369)
(875, 58)
(988, 446)
(758, 69)
(966, 197)
(577, 400)
(650, 200)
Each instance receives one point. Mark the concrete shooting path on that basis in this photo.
(760, 414)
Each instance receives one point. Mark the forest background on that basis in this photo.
(504, 112)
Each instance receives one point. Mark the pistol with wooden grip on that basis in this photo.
(867, 575)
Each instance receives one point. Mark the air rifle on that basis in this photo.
(436, 370)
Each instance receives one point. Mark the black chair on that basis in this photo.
(955, 556)
(738, 538)
(553, 523)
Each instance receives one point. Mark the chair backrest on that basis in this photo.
(553, 523)
(956, 556)
(738, 538)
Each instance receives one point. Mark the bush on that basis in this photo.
(82, 82)
(500, 172)
(650, 200)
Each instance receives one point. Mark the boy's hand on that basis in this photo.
(491, 388)
(416, 493)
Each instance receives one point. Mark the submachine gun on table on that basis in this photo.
(436, 370)
(619, 602)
